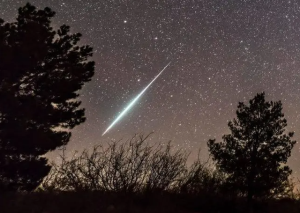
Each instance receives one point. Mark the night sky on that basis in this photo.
(222, 52)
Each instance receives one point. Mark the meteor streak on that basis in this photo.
(134, 100)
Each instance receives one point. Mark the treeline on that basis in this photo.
(138, 176)
(41, 73)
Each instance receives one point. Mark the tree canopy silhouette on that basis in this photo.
(41, 72)
(254, 154)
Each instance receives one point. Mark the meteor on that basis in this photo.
(127, 108)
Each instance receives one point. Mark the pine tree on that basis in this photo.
(254, 155)
(41, 72)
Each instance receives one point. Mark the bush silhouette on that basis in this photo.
(131, 166)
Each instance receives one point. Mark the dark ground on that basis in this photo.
(94, 202)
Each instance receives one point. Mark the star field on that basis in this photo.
(222, 52)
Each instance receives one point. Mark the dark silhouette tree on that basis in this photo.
(41, 72)
(255, 153)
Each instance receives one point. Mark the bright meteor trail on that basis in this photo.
(134, 100)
